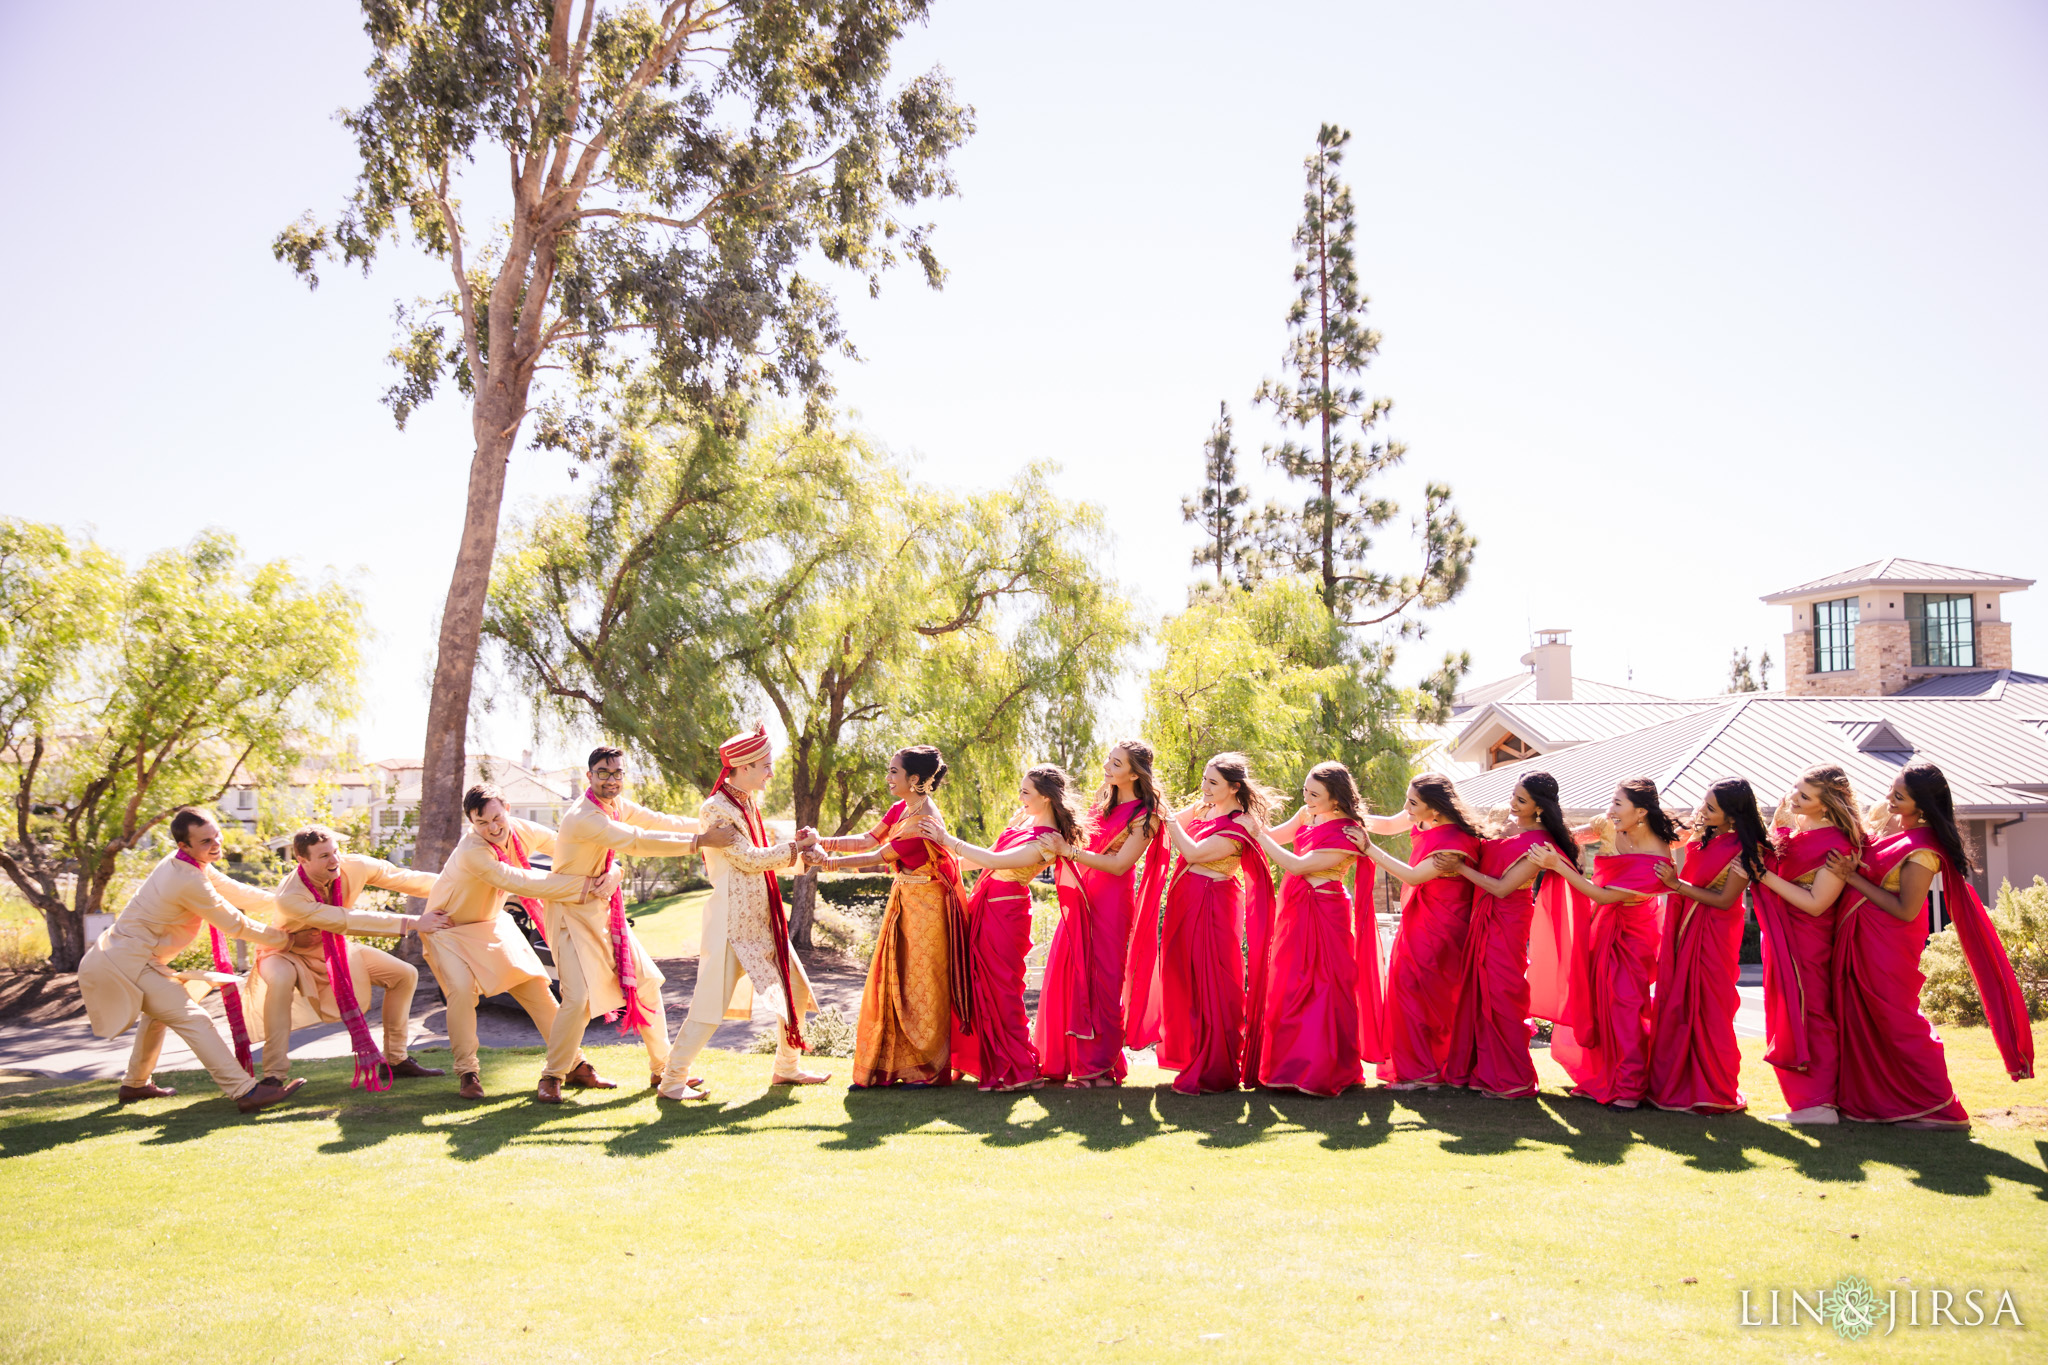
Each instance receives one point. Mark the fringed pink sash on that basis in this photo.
(536, 913)
(633, 1016)
(372, 1071)
(230, 994)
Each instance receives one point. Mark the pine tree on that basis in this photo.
(1225, 540)
(1741, 676)
(1330, 534)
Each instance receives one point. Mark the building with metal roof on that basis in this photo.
(1884, 626)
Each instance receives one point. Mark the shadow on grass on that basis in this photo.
(1102, 1120)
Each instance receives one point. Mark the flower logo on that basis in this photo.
(1851, 1307)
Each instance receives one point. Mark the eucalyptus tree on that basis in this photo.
(128, 695)
(1330, 534)
(668, 171)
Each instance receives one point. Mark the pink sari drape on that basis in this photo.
(1426, 968)
(1142, 996)
(1893, 1066)
(999, 1052)
(1310, 1033)
(1799, 950)
(1201, 988)
(1080, 1026)
(1490, 1032)
(1606, 1049)
(1694, 1061)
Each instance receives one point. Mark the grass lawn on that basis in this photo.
(1133, 1225)
(670, 925)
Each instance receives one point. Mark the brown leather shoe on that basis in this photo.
(409, 1067)
(148, 1090)
(268, 1091)
(583, 1076)
(550, 1091)
(472, 1087)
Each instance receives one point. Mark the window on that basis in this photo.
(1834, 636)
(1941, 630)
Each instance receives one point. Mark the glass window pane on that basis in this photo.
(1834, 636)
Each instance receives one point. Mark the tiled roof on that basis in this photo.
(1901, 573)
(1990, 746)
(1549, 725)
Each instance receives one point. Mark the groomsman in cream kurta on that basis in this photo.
(599, 829)
(745, 949)
(290, 986)
(125, 975)
(482, 952)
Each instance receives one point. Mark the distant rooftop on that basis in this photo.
(1899, 573)
(1523, 685)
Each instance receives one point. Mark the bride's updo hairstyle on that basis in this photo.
(924, 765)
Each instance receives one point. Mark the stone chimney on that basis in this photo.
(526, 759)
(1552, 661)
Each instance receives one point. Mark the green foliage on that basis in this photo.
(1743, 675)
(2021, 918)
(1268, 672)
(803, 571)
(828, 1033)
(1331, 533)
(133, 693)
(1226, 541)
(670, 170)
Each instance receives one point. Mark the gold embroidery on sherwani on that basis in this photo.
(739, 908)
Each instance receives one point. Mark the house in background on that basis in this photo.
(529, 795)
(1922, 672)
(340, 775)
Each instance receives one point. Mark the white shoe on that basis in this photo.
(1814, 1114)
(684, 1091)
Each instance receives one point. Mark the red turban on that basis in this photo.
(741, 749)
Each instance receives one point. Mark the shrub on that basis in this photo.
(24, 943)
(2021, 917)
(829, 1033)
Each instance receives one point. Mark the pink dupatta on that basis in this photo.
(536, 913)
(1784, 996)
(1365, 930)
(633, 1017)
(1141, 971)
(230, 993)
(372, 1071)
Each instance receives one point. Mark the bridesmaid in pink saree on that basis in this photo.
(1427, 966)
(1490, 1033)
(1199, 991)
(1795, 909)
(1080, 1025)
(1893, 1069)
(1695, 1064)
(1605, 1046)
(1321, 986)
(999, 1051)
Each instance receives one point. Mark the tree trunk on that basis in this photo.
(803, 907)
(67, 937)
(444, 755)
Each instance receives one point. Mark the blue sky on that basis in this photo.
(1688, 303)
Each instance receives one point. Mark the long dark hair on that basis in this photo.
(924, 763)
(1439, 793)
(1255, 799)
(1542, 789)
(1335, 779)
(1051, 783)
(1738, 804)
(1928, 787)
(1642, 794)
(1144, 786)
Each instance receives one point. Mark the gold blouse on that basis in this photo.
(1924, 857)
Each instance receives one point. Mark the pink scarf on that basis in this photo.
(625, 961)
(230, 994)
(535, 913)
(372, 1071)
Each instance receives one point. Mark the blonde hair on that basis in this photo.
(1144, 786)
(1838, 801)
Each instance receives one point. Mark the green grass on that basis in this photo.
(1135, 1225)
(670, 926)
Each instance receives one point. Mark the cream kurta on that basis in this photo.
(303, 918)
(584, 928)
(738, 943)
(472, 889)
(160, 921)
